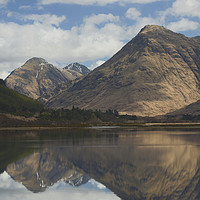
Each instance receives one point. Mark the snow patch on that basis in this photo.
(77, 66)
(42, 184)
(38, 71)
(37, 74)
(70, 176)
(37, 175)
(41, 64)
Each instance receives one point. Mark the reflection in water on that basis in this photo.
(133, 165)
(61, 190)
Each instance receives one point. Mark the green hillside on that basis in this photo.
(15, 103)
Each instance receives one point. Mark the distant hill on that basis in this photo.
(39, 80)
(15, 103)
(157, 72)
(82, 69)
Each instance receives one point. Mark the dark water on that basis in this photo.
(99, 164)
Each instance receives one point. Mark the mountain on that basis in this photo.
(157, 72)
(39, 79)
(15, 103)
(82, 69)
(39, 171)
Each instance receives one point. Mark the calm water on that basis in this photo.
(99, 163)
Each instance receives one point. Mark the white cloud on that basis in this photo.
(15, 191)
(97, 184)
(25, 7)
(183, 25)
(3, 74)
(95, 2)
(143, 21)
(45, 19)
(97, 64)
(97, 37)
(6, 182)
(101, 18)
(3, 3)
(189, 8)
(133, 13)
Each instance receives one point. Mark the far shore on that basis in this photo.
(108, 125)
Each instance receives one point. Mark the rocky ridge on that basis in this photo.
(39, 80)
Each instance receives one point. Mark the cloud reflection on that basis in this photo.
(9, 189)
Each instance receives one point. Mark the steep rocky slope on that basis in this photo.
(157, 72)
(39, 79)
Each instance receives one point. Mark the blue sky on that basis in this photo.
(84, 31)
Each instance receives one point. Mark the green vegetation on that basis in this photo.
(17, 104)
(77, 116)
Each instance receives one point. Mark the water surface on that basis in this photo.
(99, 163)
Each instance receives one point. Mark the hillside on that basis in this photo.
(190, 110)
(39, 80)
(157, 72)
(15, 103)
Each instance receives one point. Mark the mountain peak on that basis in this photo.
(152, 28)
(157, 72)
(36, 60)
(39, 79)
(78, 68)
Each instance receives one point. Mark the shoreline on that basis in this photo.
(107, 126)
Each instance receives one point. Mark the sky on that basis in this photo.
(84, 31)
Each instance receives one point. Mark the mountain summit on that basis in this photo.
(82, 69)
(39, 79)
(157, 72)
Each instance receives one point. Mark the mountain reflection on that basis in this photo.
(134, 166)
(43, 169)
